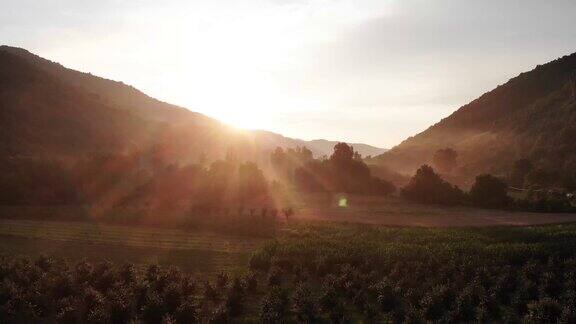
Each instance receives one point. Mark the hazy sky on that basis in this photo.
(361, 71)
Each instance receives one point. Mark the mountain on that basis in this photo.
(325, 147)
(531, 116)
(319, 147)
(51, 111)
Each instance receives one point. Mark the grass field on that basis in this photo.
(397, 212)
(192, 251)
(210, 253)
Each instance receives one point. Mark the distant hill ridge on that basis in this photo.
(49, 110)
(531, 116)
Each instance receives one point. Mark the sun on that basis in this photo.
(250, 119)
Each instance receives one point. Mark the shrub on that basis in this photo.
(275, 276)
(186, 312)
(303, 304)
(274, 306)
(128, 273)
(386, 295)
(121, 306)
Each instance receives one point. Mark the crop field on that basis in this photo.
(397, 212)
(366, 273)
(321, 272)
(193, 251)
(330, 263)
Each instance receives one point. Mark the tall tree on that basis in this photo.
(251, 181)
(343, 153)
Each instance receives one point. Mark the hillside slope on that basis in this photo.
(49, 110)
(531, 116)
(42, 116)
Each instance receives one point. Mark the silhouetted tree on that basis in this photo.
(427, 187)
(285, 161)
(489, 191)
(344, 171)
(301, 153)
(313, 176)
(251, 181)
(381, 187)
(278, 158)
(343, 153)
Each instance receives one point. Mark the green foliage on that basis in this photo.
(304, 306)
(329, 273)
(274, 306)
(429, 188)
(46, 290)
(417, 275)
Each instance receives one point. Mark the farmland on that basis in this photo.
(193, 251)
(383, 274)
(328, 263)
(397, 212)
(312, 272)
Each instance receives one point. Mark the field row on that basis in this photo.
(127, 236)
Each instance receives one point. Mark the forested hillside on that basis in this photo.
(49, 110)
(70, 138)
(532, 116)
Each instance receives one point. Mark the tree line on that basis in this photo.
(343, 171)
(489, 191)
